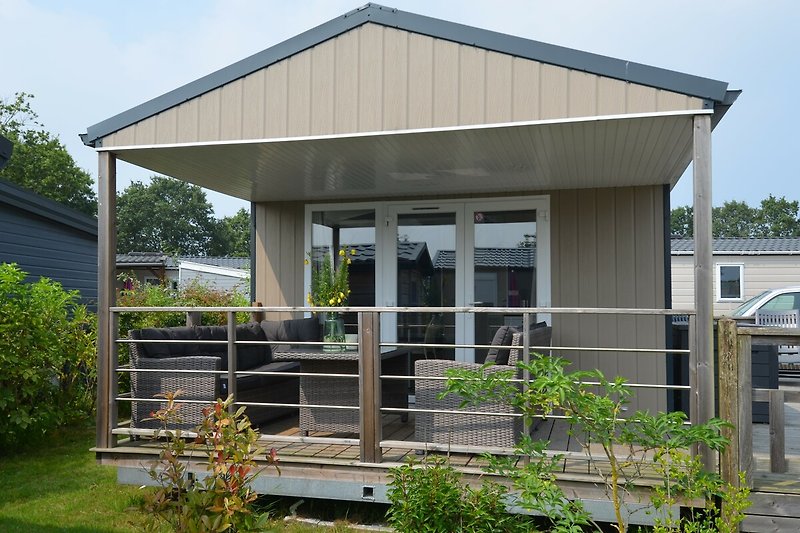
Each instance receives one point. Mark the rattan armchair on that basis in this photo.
(468, 429)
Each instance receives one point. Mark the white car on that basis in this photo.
(785, 299)
(776, 300)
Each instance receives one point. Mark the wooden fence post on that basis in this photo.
(729, 397)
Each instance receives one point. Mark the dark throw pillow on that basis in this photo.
(503, 337)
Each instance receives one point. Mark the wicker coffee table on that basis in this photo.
(341, 391)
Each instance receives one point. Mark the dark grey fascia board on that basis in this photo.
(697, 86)
(13, 195)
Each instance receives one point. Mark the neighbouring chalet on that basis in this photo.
(46, 238)
(742, 268)
(494, 180)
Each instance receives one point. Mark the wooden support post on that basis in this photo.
(106, 269)
(369, 386)
(703, 279)
(777, 432)
(232, 358)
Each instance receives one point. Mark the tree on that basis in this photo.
(40, 162)
(165, 215)
(778, 217)
(733, 219)
(232, 236)
(682, 221)
(775, 217)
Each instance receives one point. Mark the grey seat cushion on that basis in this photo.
(502, 337)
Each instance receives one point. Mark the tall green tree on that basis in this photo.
(734, 219)
(40, 162)
(232, 235)
(774, 217)
(166, 215)
(778, 217)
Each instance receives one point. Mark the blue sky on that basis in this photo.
(86, 61)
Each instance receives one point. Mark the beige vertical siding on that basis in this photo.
(606, 252)
(375, 78)
(279, 253)
(761, 273)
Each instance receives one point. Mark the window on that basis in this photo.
(730, 282)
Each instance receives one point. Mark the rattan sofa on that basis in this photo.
(204, 386)
(467, 429)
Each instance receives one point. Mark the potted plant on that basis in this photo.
(330, 287)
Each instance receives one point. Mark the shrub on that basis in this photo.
(430, 498)
(223, 500)
(47, 356)
(193, 294)
(594, 405)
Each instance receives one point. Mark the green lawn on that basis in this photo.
(57, 487)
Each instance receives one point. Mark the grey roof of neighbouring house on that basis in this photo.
(713, 90)
(411, 252)
(742, 246)
(490, 258)
(160, 259)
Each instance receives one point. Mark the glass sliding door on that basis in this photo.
(426, 277)
(503, 250)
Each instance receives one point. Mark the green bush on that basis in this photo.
(194, 294)
(47, 356)
(430, 498)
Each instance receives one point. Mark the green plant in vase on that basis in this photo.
(330, 287)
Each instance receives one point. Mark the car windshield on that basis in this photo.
(745, 307)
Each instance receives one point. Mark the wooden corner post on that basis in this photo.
(106, 269)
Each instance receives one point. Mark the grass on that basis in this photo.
(56, 486)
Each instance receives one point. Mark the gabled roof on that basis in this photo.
(29, 201)
(742, 246)
(712, 90)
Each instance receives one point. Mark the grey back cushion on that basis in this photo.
(299, 329)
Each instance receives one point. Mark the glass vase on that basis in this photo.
(333, 332)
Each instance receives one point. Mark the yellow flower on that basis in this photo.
(331, 301)
(339, 300)
(305, 261)
(341, 253)
(341, 295)
(352, 251)
(349, 260)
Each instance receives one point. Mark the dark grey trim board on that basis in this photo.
(700, 87)
(6, 147)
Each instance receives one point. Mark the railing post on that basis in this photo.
(777, 432)
(232, 358)
(369, 386)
